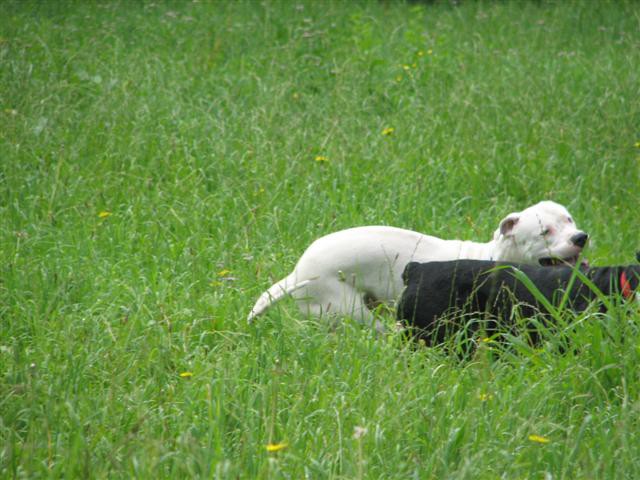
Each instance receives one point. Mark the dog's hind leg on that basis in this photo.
(336, 299)
(361, 312)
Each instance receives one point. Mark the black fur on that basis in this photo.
(448, 290)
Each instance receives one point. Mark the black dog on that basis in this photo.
(437, 293)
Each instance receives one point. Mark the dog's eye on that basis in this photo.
(570, 220)
(545, 232)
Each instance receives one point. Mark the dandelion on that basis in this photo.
(539, 439)
(276, 447)
(429, 52)
(420, 53)
(406, 67)
(359, 432)
(637, 144)
(483, 397)
(388, 131)
(223, 276)
(186, 374)
(104, 214)
(321, 158)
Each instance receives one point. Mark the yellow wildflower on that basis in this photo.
(276, 447)
(104, 214)
(224, 273)
(539, 439)
(637, 144)
(406, 67)
(186, 374)
(429, 52)
(399, 78)
(388, 131)
(321, 158)
(483, 397)
(420, 53)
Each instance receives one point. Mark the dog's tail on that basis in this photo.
(276, 292)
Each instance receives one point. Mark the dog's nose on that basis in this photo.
(580, 239)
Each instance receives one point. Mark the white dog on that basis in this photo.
(347, 273)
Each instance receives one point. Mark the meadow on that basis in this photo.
(161, 163)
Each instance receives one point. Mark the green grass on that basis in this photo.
(196, 125)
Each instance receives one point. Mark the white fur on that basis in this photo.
(339, 272)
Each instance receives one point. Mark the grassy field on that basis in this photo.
(162, 163)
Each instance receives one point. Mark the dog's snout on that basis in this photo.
(580, 239)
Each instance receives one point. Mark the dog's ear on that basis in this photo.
(407, 271)
(507, 224)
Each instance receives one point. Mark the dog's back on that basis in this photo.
(436, 289)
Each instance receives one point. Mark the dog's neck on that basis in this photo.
(479, 251)
(625, 286)
(505, 250)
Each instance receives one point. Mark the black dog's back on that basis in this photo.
(439, 289)
(453, 289)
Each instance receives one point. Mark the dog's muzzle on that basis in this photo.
(554, 261)
(579, 239)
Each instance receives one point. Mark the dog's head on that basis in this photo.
(408, 271)
(543, 234)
